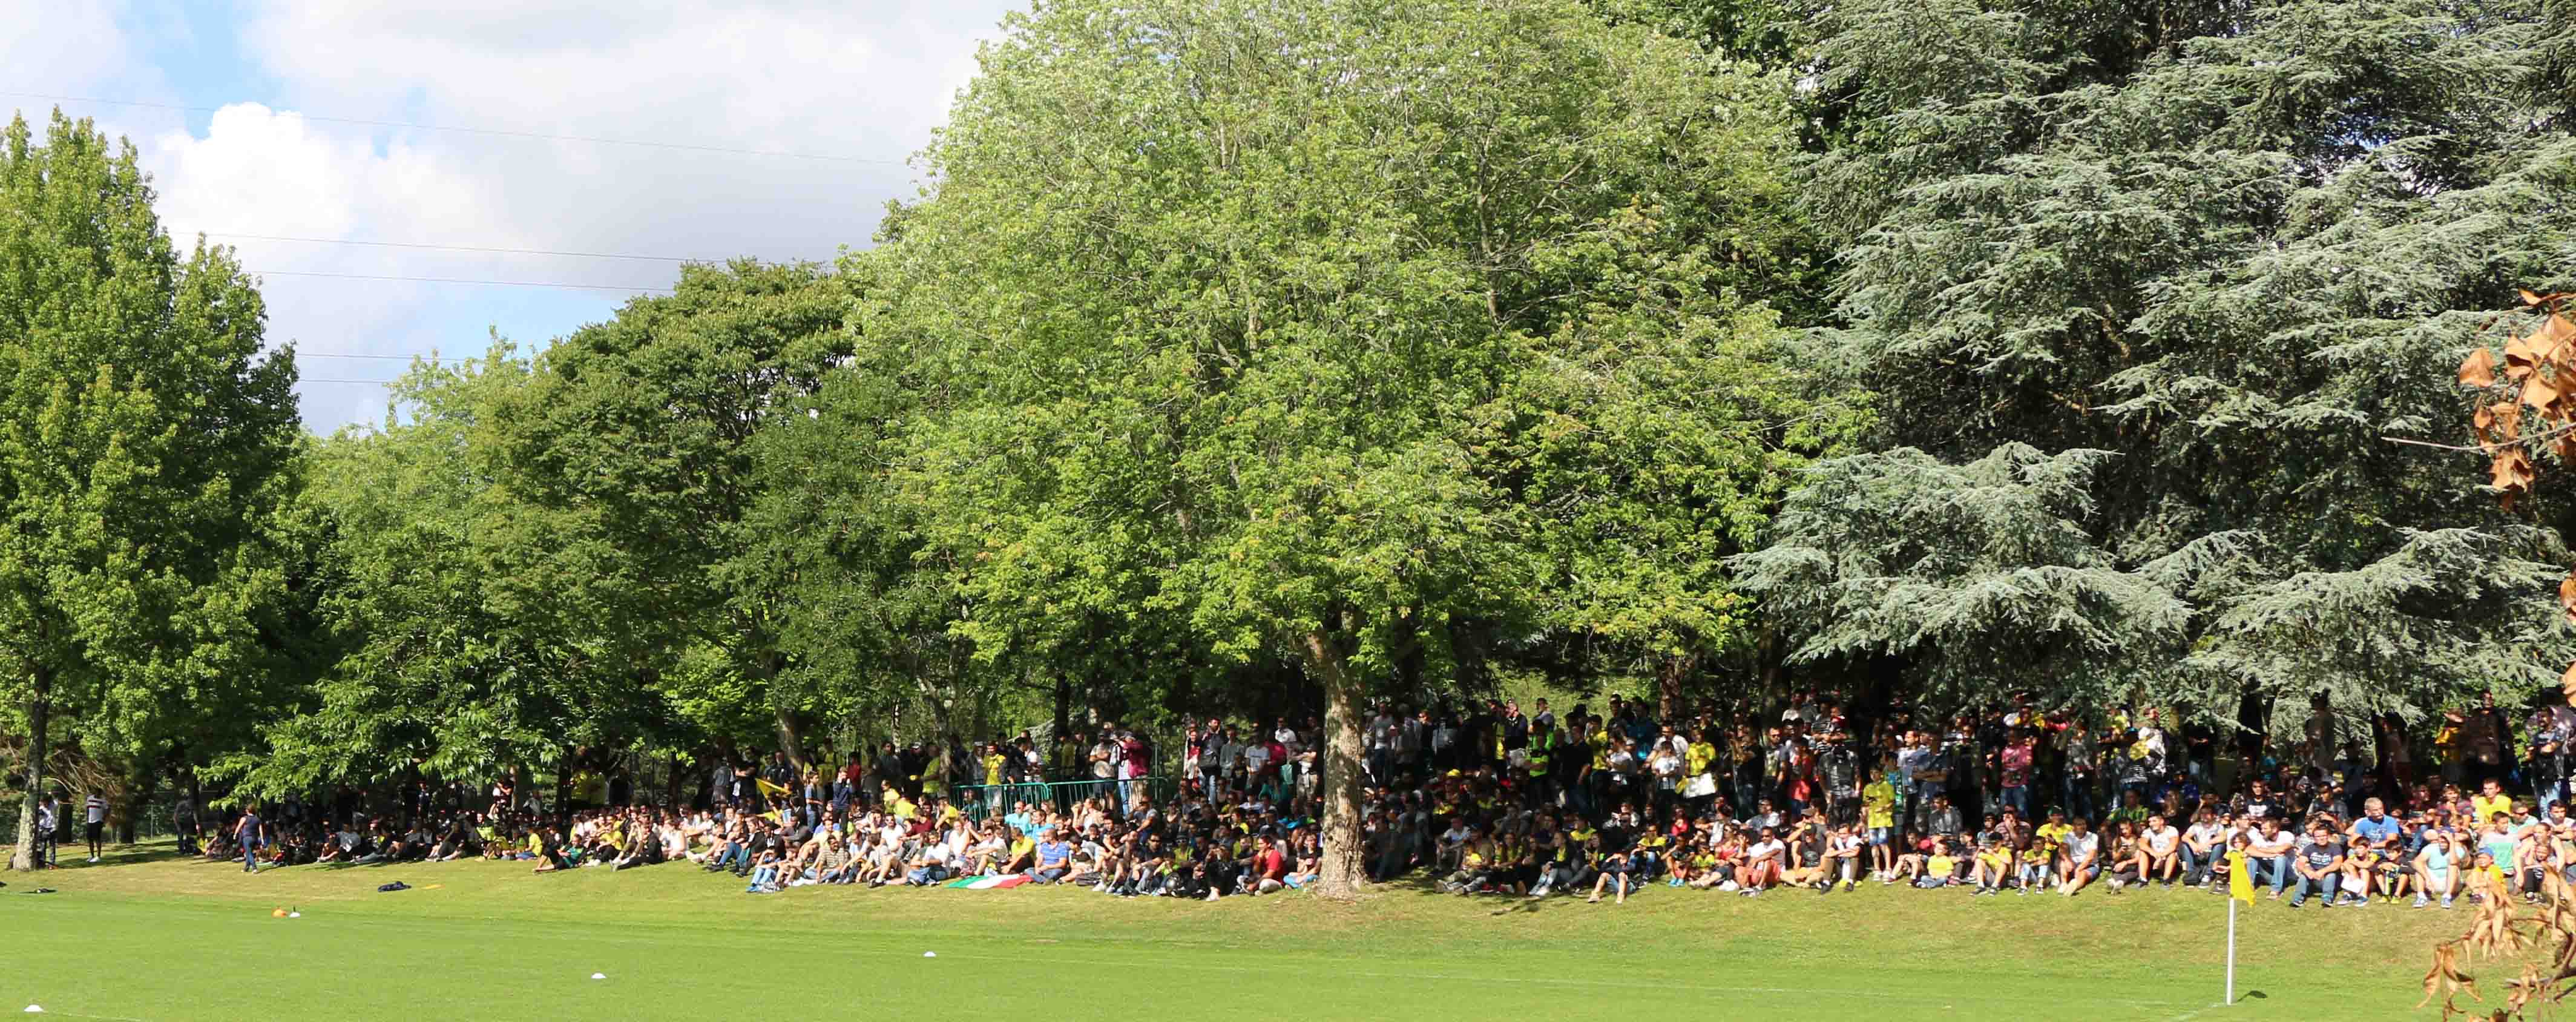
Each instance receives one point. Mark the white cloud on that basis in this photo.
(861, 80)
(54, 46)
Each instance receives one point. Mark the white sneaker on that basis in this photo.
(93, 858)
(1728, 886)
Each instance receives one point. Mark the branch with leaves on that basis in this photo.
(2530, 406)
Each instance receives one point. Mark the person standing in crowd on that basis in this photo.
(251, 836)
(1638, 802)
(183, 818)
(94, 821)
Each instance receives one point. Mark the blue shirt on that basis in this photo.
(1020, 822)
(2376, 831)
(1052, 853)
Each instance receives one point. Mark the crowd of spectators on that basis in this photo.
(1498, 799)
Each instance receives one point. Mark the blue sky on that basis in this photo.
(865, 81)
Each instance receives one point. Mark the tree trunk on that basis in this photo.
(1668, 686)
(671, 785)
(791, 738)
(138, 801)
(38, 711)
(563, 791)
(1343, 871)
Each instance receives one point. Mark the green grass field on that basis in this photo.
(144, 936)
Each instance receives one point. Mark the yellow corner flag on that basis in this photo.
(2240, 879)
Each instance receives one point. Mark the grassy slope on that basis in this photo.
(150, 938)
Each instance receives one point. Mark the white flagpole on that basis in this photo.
(2231, 951)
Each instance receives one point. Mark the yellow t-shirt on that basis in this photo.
(2053, 834)
(1941, 866)
(993, 768)
(2487, 807)
(1878, 801)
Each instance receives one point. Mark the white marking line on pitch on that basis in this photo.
(1551, 981)
(75, 1014)
(2194, 1013)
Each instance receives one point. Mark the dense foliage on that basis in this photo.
(2141, 291)
(1276, 356)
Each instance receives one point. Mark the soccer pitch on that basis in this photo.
(151, 938)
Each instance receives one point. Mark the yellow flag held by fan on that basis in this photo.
(768, 789)
(2240, 877)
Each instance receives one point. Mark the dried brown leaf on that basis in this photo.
(2553, 335)
(2539, 392)
(2521, 355)
(2508, 421)
(2479, 369)
(2511, 470)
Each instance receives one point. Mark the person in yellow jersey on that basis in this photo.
(2037, 852)
(2491, 800)
(1878, 814)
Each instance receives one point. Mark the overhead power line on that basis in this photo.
(390, 358)
(456, 248)
(498, 132)
(458, 280)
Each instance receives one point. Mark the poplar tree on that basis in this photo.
(143, 437)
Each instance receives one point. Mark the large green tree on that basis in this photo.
(461, 628)
(142, 440)
(2142, 288)
(1320, 331)
(639, 432)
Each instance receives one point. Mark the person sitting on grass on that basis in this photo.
(1804, 863)
(1474, 868)
(2163, 847)
(343, 845)
(455, 840)
(2128, 864)
(1993, 864)
(1308, 851)
(1762, 863)
(2318, 864)
(1269, 871)
(1933, 869)
(1842, 858)
(2486, 881)
(2202, 845)
(2079, 858)
(2437, 869)
(548, 847)
(1614, 867)
(931, 865)
(765, 872)
(1054, 858)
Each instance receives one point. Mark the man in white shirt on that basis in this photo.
(2270, 853)
(94, 820)
(2201, 846)
(2079, 857)
(1256, 755)
(1763, 860)
(2164, 847)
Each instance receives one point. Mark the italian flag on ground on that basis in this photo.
(986, 883)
